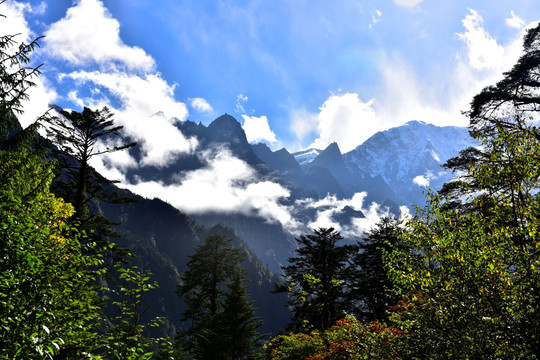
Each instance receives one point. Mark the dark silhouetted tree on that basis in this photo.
(373, 287)
(79, 137)
(219, 314)
(318, 280)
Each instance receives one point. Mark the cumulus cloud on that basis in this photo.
(257, 129)
(483, 50)
(201, 105)
(140, 98)
(514, 21)
(347, 120)
(225, 184)
(407, 3)
(421, 180)
(330, 206)
(407, 95)
(89, 34)
(14, 21)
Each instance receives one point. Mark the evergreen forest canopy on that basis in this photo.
(460, 279)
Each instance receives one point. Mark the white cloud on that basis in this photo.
(140, 98)
(201, 105)
(515, 21)
(407, 3)
(302, 123)
(40, 97)
(239, 104)
(407, 95)
(421, 180)
(89, 34)
(257, 129)
(483, 50)
(347, 120)
(227, 185)
(331, 205)
(14, 21)
(375, 18)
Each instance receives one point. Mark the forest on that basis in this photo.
(460, 279)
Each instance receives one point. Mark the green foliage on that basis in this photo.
(318, 280)
(48, 306)
(124, 337)
(222, 321)
(347, 339)
(372, 286)
(470, 281)
(236, 323)
(15, 77)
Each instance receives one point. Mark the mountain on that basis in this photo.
(408, 158)
(304, 157)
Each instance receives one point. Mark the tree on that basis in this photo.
(237, 324)
(15, 77)
(502, 108)
(125, 337)
(318, 280)
(48, 303)
(469, 276)
(373, 287)
(221, 317)
(79, 137)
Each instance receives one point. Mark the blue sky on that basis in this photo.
(295, 73)
(314, 71)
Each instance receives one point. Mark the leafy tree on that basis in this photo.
(125, 337)
(373, 287)
(318, 280)
(221, 316)
(48, 305)
(347, 339)
(504, 107)
(471, 280)
(77, 134)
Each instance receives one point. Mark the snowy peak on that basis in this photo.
(305, 157)
(412, 151)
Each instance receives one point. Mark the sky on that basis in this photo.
(295, 73)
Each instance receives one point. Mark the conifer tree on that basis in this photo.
(373, 287)
(79, 137)
(237, 323)
(318, 280)
(218, 314)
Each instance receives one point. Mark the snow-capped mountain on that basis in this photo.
(409, 157)
(304, 157)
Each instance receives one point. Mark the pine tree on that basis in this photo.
(318, 280)
(237, 323)
(219, 315)
(373, 288)
(79, 137)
